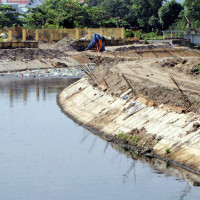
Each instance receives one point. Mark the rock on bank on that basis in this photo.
(167, 135)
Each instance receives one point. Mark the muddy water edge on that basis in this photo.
(45, 155)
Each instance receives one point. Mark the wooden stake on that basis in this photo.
(181, 91)
(127, 82)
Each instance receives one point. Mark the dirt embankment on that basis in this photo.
(166, 77)
(45, 50)
(46, 56)
(29, 54)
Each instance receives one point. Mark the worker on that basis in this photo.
(97, 41)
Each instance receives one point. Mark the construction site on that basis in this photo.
(143, 98)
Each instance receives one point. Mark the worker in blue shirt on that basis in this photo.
(98, 41)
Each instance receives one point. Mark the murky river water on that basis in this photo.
(44, 155)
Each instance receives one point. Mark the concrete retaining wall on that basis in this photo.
(59, 34)
(77, 33)
(178, 133)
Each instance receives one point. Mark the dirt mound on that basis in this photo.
(157, 52)
(98, 59)
(45, 50)
(173, 62)
(63, 45)
(152, 51)
(185, 65)
(144, 47)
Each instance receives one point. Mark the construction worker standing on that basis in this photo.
(97, 41)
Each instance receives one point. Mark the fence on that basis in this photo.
(173, 34)
(58, 34)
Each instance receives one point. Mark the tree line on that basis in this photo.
(147, 15)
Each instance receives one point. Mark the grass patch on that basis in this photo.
(135, 139)
(168, 150)
(120, 149)
(126, 137)
(143, 36)
(198, 68)
(123, 136)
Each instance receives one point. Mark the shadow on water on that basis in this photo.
(136, 168)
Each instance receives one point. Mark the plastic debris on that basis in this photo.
(125, 97)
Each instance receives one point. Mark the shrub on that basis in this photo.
(139, 34)
(123, 136)
(146, 41)
(167, 151)
(129, 33)
(198, 68)
(135, 139)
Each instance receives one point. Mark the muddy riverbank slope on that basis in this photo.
(144, 98)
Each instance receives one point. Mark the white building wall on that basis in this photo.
(35, 3)
(195, 39)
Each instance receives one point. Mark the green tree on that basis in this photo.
(94, 2)
(146, 12)
(192, 11)
(8, 16)
(168, 13)
(119, 11)
(64, 13)
(36, 17)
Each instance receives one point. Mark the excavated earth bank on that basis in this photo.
(148, 105)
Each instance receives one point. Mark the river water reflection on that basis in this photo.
(44, 155)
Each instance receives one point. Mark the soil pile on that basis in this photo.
(144, 47)
(62, 45)
(184, 65)
(98, 59)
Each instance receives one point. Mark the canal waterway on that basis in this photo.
(44, 155)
